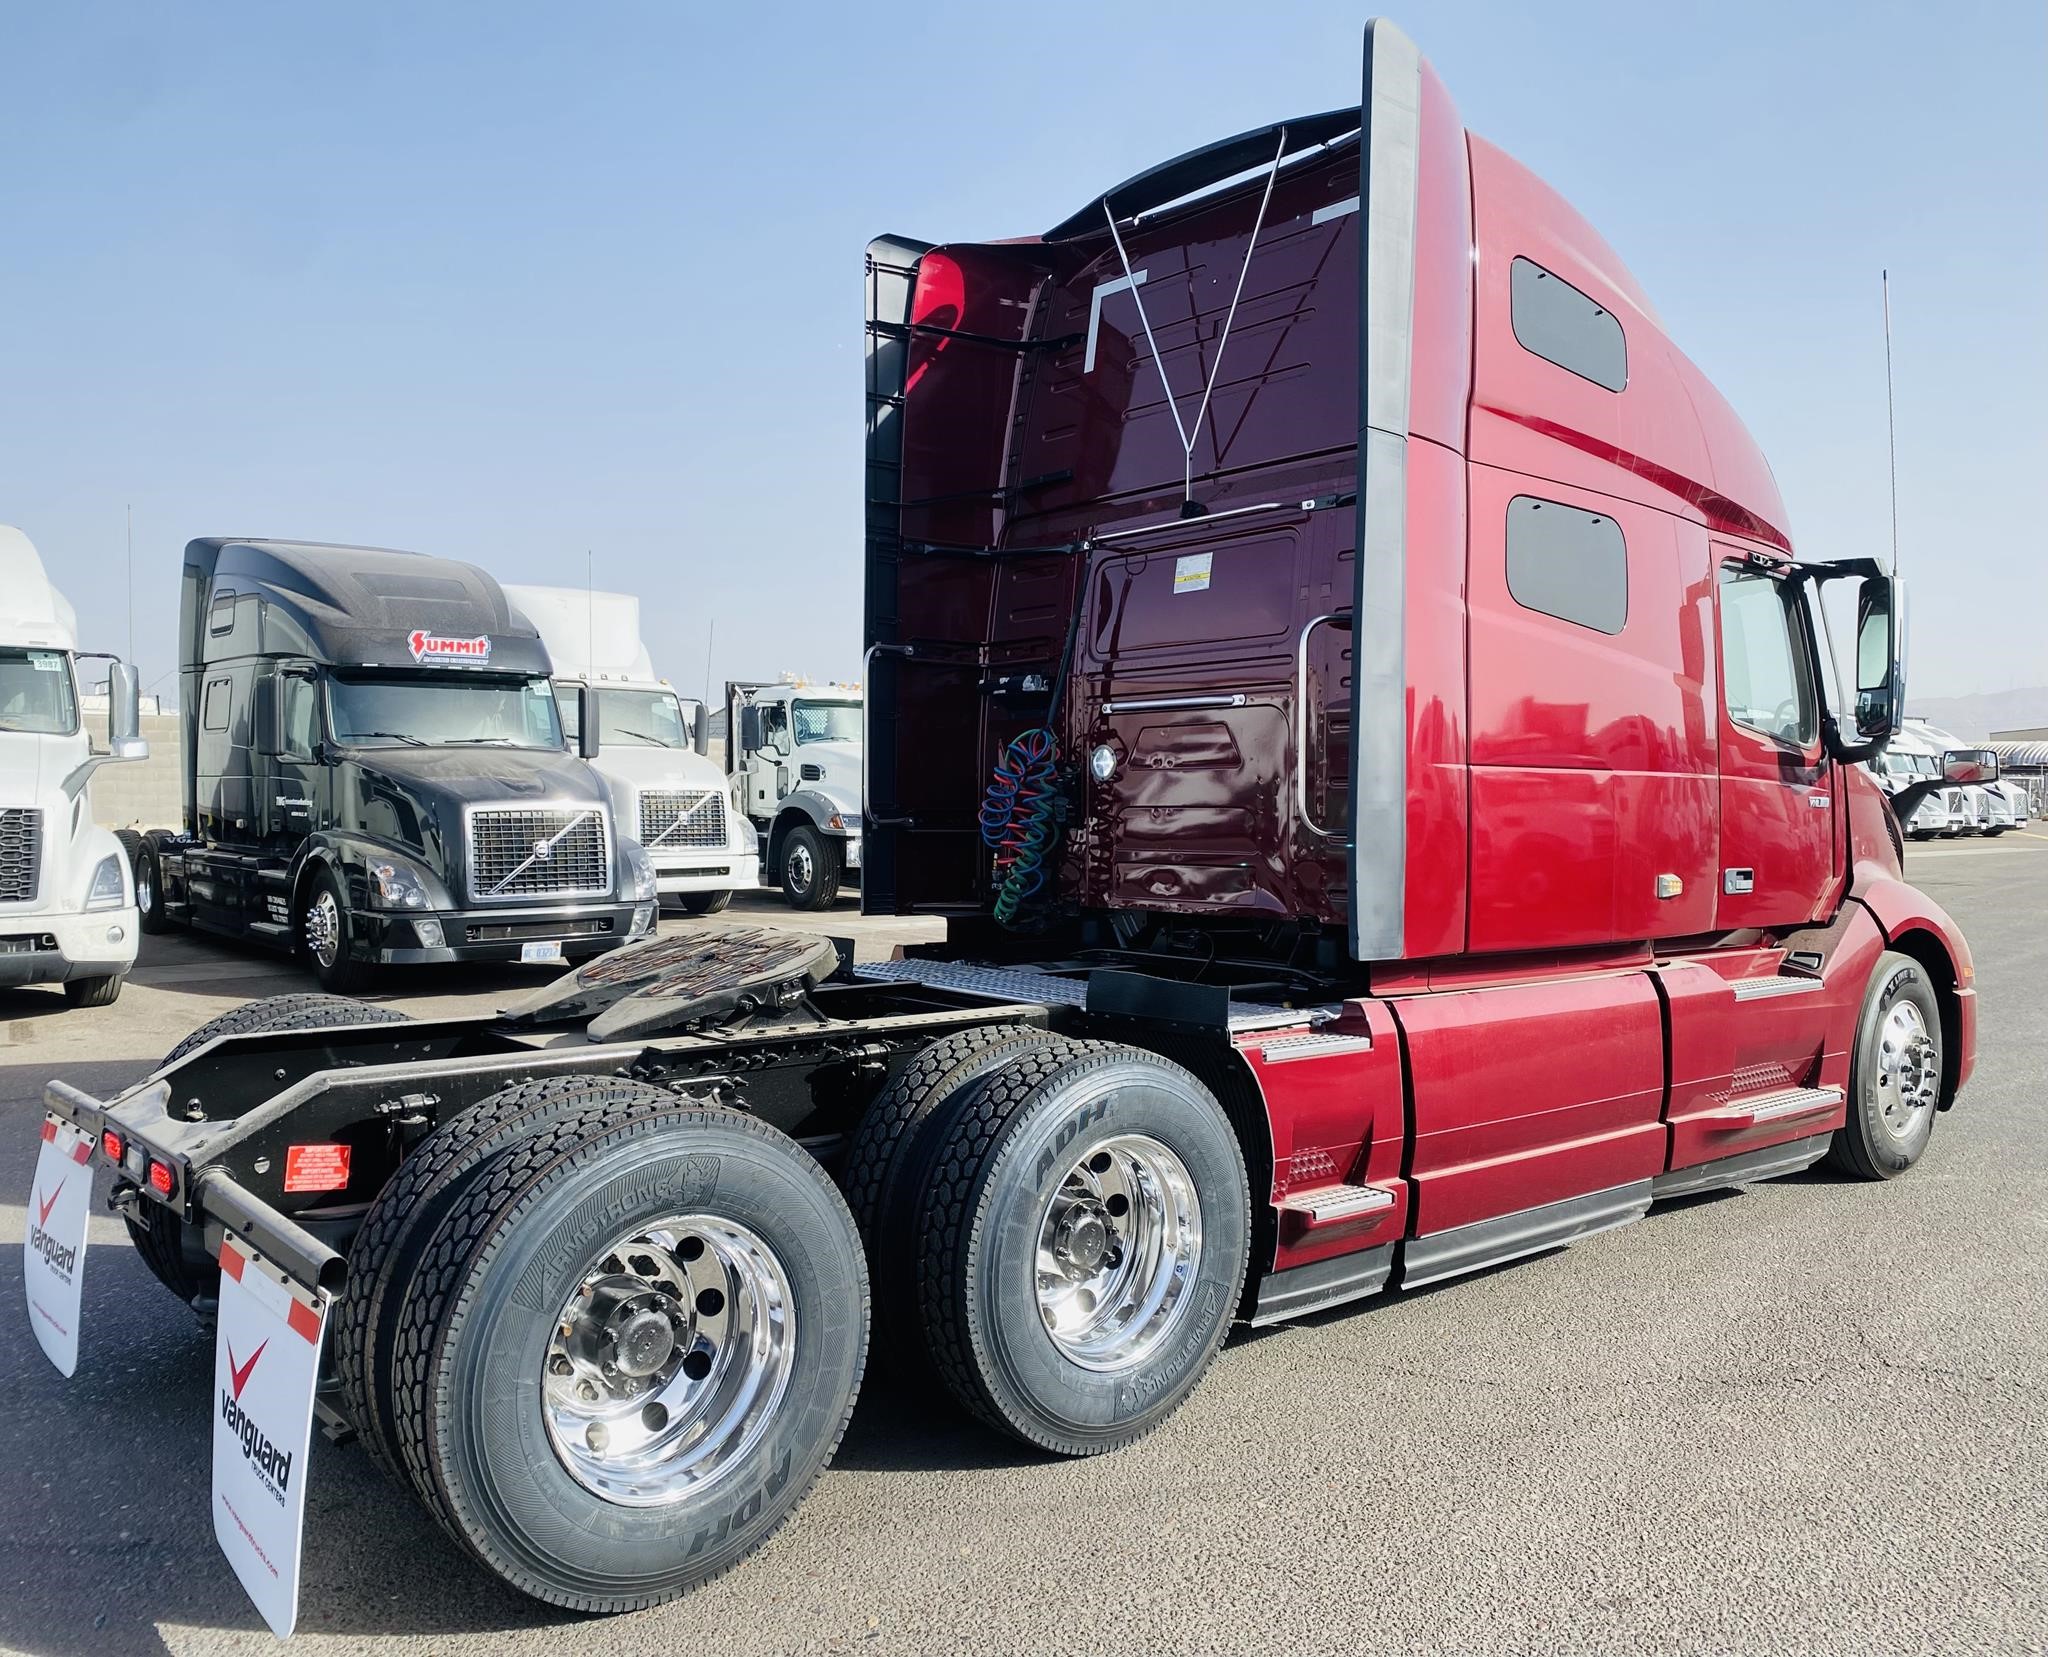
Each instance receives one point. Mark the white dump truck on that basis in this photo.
(794, 753)
(651, 745)
(67, 894)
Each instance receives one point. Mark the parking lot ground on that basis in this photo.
(1812, 1416)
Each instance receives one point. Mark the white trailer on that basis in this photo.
(67, 891)
(651, 748)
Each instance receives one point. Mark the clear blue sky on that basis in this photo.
(509, 282)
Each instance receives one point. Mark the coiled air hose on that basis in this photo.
(1019, 818)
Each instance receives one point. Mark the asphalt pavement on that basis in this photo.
(1812, 1416)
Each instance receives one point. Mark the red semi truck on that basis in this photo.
(1342, 675)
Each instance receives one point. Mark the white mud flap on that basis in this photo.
(266, 1368)
(53, 1249)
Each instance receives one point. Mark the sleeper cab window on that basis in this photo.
(1562, 325)
(1566, 563)
(220, 617)
(213, 714)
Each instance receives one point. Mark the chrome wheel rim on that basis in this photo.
(323, 928)
(145, 889)
(667, 1364)
(1119, 1246)
(1908, 1068)
(800, 870)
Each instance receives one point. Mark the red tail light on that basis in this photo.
(111, 1146)
(160, 1180)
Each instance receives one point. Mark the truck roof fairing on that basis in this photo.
(358, 606)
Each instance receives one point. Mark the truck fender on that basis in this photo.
(806, 805)
(1914, 924)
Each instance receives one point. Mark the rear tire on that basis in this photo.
(493, 1423)
(706, 903)
(403, 1219)
(172, 1250)
(1896, 1073)
(101, 991)
(810, 869)
(1122, 1170)
(887, 1171)
(322, 929)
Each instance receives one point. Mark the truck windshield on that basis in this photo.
(441, 710)
(35, 693)
(827, 721)
(641, 719)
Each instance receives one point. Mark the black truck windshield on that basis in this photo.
(441, 711)
(35, 693)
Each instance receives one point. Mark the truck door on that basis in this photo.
(1777, 793)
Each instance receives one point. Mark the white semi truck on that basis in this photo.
(793, 751)
(1912, 758)
(1985, 808)
(67, 896)
(651, 745)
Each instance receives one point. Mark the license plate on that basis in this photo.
(549, 951)
(266, 1367)
(53, 1250)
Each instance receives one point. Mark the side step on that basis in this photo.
(1767, 1162)
(1754, 989)
(1328, 1204)
(1781, 1106)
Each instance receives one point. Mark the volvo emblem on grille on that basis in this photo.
(543, 849)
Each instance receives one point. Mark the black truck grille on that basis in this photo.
(544, 851)
(21, 854)
(677, 817)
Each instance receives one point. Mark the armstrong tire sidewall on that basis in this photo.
(1903, 978)
(1043, 1385)
(569, 1539)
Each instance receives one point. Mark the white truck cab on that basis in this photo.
(794, 753)
(67, 893)
(1975, 808)
(650, 749)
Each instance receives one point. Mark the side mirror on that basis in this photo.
(587, 732)
(700, 730)
(124, 713)
(1880, 659)
(1970, 765)
(750, 729)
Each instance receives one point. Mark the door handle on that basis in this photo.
(1335, 618)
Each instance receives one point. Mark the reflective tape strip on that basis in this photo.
(271, 1289)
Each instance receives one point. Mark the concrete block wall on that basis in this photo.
(149, 794)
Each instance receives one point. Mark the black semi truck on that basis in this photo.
(375, 771)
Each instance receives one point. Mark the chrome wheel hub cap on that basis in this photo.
(800, 868)
(667, 1364)
(145, 890)
(323, 929)
(1908, 1067)
(1118, 1249)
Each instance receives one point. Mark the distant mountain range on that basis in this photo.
(1976, 717)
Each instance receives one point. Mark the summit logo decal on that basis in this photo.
(440, 647)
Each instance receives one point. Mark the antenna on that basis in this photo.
(589, 612)
(710, 637)
(1891, 429)
(131, 583)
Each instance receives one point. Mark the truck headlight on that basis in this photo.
(107, 890)
(395, 885)
(639, 871)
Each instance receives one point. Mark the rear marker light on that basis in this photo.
(111, 1147)
(160, 1178)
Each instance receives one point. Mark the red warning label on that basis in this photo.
(315, 1167)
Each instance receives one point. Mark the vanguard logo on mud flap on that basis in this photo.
(61, 1259)
(273, 1463)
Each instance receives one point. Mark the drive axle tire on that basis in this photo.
(1895, 1073)
(149, 885)
(172, 1250)
(1086, 1243)
(628, 1356)
(810, 869)
(403, 1219)
(888, 1168)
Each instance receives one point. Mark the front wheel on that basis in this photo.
(324, 936)
(101, 991)
(706, 903)
(810, 869)
(1895, 1073)
(1085, 1246)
